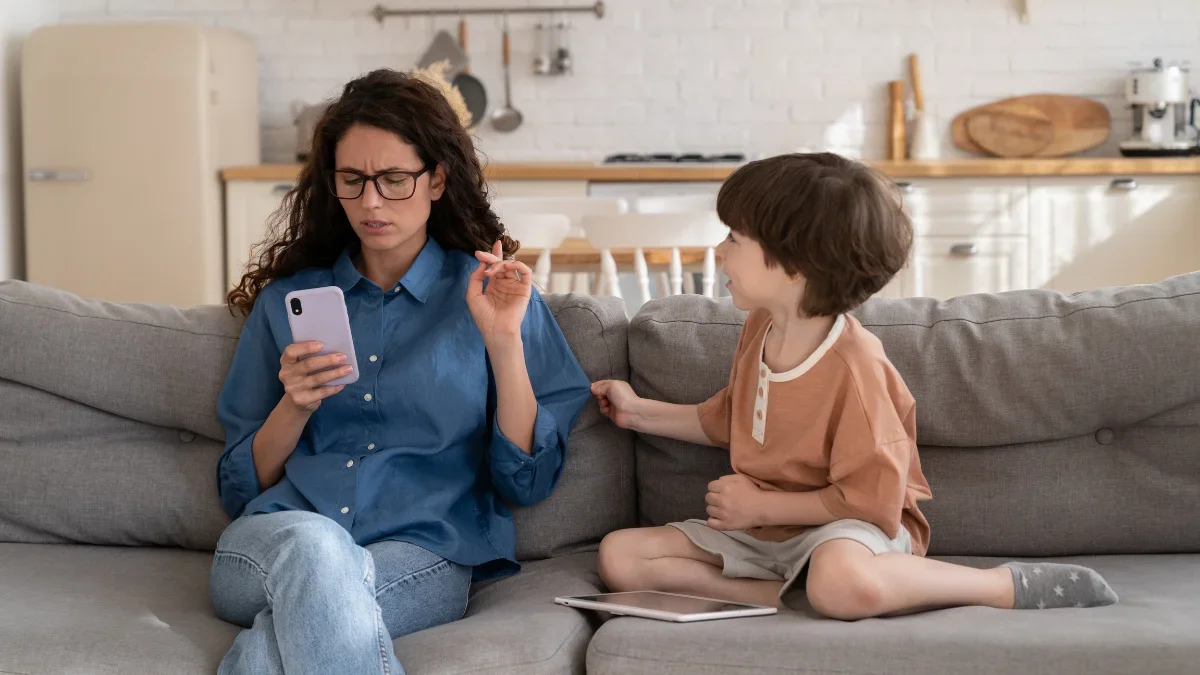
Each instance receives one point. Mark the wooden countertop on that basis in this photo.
(583, 171)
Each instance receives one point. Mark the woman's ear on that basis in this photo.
(437, 183)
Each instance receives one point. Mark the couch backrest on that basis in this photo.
(109, 433)
(1048, 424)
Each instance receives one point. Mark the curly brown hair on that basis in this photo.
(310, 229)
(838, 223)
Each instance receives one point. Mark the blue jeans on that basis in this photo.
(313, 601)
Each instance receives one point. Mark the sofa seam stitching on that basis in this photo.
(115, 320)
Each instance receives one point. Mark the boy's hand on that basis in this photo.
(617, 402)
(734, 503)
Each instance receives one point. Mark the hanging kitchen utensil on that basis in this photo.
(562, 56)
(541, 60)
(508, 118)
(444, 47)
(472, 90)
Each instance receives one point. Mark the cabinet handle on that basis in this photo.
(282, 188)
(1126, 184)
(906, 188)
(52, 175)
(964, 250)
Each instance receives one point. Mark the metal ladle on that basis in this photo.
(507, 118)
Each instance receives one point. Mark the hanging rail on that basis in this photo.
(380, 12)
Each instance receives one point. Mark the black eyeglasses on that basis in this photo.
(394, 185)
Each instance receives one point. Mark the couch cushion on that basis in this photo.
(107, 611)
(1154, 628)
(1048, 424)
(113, 611)
(80, 474)
(108, 424)
(512, 626)
(596, 493)
(150, 363)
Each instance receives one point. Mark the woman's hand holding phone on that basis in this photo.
(304, 387)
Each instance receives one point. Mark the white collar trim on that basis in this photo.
(834, 333)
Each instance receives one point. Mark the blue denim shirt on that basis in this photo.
(411, 451)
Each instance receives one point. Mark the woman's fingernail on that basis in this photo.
(341, 358)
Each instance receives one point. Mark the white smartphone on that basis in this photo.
(320, 314)
(664, 606)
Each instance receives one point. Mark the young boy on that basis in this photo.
(820, 427)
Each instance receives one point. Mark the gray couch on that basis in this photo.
(1050, 426)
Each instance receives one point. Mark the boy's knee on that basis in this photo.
(848, 593)
(620, 554)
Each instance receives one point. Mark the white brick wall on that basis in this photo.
(703, 75)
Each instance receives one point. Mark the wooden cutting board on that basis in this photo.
(1017, 127)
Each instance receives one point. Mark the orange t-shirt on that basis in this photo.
(842, 423)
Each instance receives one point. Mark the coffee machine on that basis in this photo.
(1163, 112)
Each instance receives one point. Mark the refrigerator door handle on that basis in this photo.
(50, 174)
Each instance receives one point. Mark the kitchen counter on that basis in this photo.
(960, 168)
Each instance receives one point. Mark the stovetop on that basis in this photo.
(676, 158)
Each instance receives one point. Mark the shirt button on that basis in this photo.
(366, 397)
(349, 464)
(374, 358)
(345, 509)
(760, 392)
(1105, 436)
(370, 446)
(764, 372)
(396, 289)
(758, 414)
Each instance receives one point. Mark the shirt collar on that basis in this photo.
(425, 270)
(345, 274)
(418, 281)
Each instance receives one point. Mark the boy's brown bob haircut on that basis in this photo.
(836, 222)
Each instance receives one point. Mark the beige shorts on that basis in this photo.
(746, 557)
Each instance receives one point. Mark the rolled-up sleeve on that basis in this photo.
(252, 389)
(561, 389)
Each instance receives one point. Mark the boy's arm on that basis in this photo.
(794, 508)
(671, 420)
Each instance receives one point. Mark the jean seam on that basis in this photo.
(413, 576)
(369, 585)
(258, 569)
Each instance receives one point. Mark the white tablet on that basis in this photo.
(664, 606)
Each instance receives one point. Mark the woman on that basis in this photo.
(362, 512)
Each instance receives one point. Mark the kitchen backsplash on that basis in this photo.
(759, 76)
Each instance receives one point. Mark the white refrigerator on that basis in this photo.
(125, 128)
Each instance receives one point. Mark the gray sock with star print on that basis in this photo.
(1055, 585)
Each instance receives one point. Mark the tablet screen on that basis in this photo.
(665, 602)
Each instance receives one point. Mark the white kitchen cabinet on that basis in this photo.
(945, 267)
(249, 205)
(970, 236)
(1100, 231)
(967, 207)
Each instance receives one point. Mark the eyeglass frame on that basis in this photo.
(414, 175)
